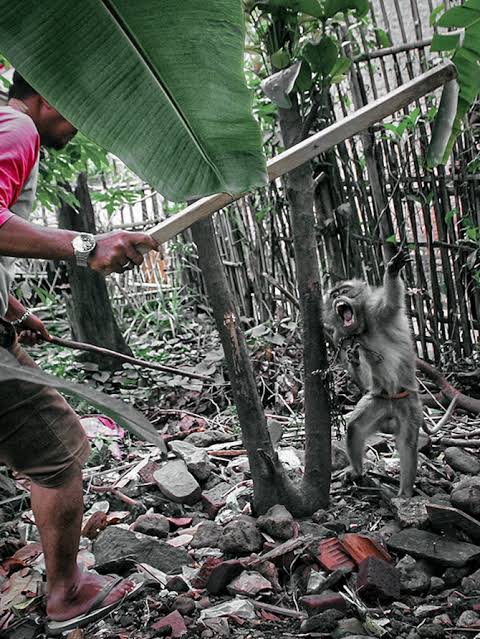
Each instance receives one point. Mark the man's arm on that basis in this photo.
(31, 329)
(19, 238)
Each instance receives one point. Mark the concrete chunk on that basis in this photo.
(177, 483)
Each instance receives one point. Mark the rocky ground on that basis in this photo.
(369, 565)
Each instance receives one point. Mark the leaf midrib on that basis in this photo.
(143, 55)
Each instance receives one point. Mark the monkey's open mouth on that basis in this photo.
(346, 313)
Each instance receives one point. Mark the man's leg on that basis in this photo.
(58, 514)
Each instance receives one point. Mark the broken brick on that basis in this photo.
(314, 604)
(332, 555)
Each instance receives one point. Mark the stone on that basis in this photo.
(115, 543)
(177, 584)
(437, 585)
(453, 576)
(315, 604)
(431, 631)
(196, 459)
(471, 583)
(325, 622)
(413, 579)
(463, 462)
(206, 438)
(442, 620)
(176, 623)
(275, 430)
(320, 516)
(249, 584)
(185, 605)
(339, 457)
(466, 496)
(8, 488)
(222, 574)
(427, 610)
(215, 498)
(467, 619)
(277, 522)
(349, 629)
(241, 537)
(207, 535)
(411, 511)
(420, 543)
(378, 578)
(152, 524)
(177, 483)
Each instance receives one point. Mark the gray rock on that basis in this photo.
(436, 585)
(453, 576)
(277, 522)
(411, 511)
(152, 524)
(208, 535)
(431, 631)
(413, 579)
(468, 618)
(339, 457)
(466, 496)
(197, 460)
(206, 438)
(348, 628)
(321, 516)
(177, 483)
(326, 622)
(471, 584)
(275, 430)
(241, 537)
(447, 552)
(249, 584)
(462, 461)
(215, 498)
(115, 543)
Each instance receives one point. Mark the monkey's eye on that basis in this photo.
(334, 294)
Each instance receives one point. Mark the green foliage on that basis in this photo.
(332, 7)
(464, 49)
(175, 109)
(323, 56)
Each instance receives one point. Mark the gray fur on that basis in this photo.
(378, 351)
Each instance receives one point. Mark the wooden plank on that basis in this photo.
(311, 147)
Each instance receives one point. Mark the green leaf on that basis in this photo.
(322, 56)
(434, 15)
(304, 78)
(160, 84)
(444, 42)
(332, 7)
(383, 38)
(391, 239)
(459, 17)
(341, 66)
(121, 412)
(280, 59)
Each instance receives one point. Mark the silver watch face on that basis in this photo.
(84, 243)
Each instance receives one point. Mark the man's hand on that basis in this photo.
(117, 252)
(32, 331)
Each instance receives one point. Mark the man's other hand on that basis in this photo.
(118, 251)
(32, 331)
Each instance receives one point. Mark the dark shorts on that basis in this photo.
(40, 435)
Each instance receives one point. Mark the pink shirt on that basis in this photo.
(19, 146)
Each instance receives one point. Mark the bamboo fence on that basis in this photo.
(370, 189)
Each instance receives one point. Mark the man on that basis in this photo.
(40, 435)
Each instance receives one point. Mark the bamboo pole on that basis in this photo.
(313, 146)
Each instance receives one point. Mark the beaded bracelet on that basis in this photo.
(20, 320)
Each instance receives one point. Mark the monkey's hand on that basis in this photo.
(353, 354)
(398, 261)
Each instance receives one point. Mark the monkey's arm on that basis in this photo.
(393, 288)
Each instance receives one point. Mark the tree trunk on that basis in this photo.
(271, 484)
(88, 306)
(300, 190)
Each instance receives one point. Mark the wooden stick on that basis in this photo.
(311, 147)
(90, 348)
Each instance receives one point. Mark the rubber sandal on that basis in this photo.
(95, 613)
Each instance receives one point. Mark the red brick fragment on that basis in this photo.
(314, 604)
(175, 621)
(332, 555)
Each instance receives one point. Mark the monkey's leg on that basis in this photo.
(363, 421)
(406, 437)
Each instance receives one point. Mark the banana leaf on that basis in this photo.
(159, 84)
(122, 413)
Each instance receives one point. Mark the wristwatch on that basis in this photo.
(83, 246)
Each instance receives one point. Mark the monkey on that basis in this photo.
(370, 327)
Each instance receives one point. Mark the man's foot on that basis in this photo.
(65, 604)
